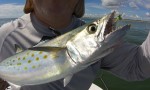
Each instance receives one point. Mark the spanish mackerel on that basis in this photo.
(63, 56)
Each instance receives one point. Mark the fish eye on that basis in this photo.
(92, 28)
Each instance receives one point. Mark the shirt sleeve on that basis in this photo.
(19, 32)
(5, 30)
(130, 62)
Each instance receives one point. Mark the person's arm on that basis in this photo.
(130, 62)
(4, 31)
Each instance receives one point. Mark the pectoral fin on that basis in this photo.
(13, 86)
(67, 80)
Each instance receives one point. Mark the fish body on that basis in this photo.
(63, 56)
(36, 67)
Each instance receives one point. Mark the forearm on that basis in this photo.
(130, 62)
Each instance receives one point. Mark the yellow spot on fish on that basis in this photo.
(25, 68)
(37, 59)
(33, 67)
(32, 55)
(18, 64)
(45, 56)
(40, 52)
(29, 61)
(18, 58)
(24, 58)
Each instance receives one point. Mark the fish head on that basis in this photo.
(95, 40)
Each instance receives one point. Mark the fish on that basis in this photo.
(63, 56)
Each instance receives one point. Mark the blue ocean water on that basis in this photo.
(5, 20)
(137, 34)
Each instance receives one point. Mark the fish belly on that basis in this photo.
(36, 67)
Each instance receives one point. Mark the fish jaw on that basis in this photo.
(105, 26)
(110, 35)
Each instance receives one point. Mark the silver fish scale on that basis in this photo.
(36, 65)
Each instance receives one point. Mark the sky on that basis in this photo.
(132, 9)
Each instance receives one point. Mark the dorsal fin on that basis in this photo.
(46, 48)
(18, 48)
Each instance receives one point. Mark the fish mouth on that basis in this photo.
(111, 25)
